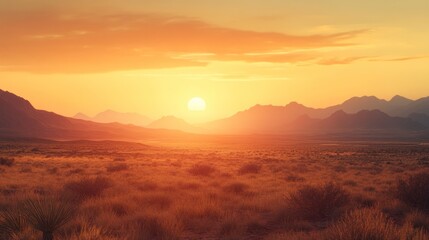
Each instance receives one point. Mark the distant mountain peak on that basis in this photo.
(399, 100)
(111, 116)
(81, 116)
(173, 123)
(295, 105)
(361, 99)
(170, 118)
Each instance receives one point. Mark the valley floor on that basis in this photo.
(275, 190)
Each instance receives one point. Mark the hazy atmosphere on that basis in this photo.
(214, 120)
(126, 55)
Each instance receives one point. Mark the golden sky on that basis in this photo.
(152, 56)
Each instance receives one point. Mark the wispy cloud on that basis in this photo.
(400, 59)
(339, 61)
(52, 42)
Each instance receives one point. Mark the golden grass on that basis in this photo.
(218, 191)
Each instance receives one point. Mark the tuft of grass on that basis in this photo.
(12, 222)
(294, 178)
(318, 203)
(418, 220)
(414, 191)
(91, 233)
(88, 188)
(364, 224)
(148, 186)
(201, 170)
(154, 228)
(158, 201)
(250, 168)
(48, 215)
(236, 188)
(117, 167)
(8, 162)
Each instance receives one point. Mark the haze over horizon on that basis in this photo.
(152, 57)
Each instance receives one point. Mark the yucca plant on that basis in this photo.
(11, 223)
(48, 215)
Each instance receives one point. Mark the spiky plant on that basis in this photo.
(11, 223)
(48, 215)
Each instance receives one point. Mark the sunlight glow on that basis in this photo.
(196, 104)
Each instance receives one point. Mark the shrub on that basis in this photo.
(148, 186)
(317, 203)
(160, 201)
(408, 232)
(294, 178)
(88, 188)
(201, 170)
(237, 188)
(48, 215)
(418, 220)
(414, 191)
(294, 236)
(8, 162)
(364, 224)
(231, 227)
(250, 168)
(91, 233)
(154, 228)
(11, 223)
(117, 167)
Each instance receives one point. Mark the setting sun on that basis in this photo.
(196, 104)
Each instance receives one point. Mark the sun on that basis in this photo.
(196, 104)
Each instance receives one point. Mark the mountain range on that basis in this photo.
(18, 118)
(111, 116)
(356, 116)
(166, 122)
(274, 119)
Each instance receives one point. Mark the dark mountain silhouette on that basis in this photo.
(272, 119)
(174, 123)
(421, 118)
(262, 119)
(398, 106)
(18, 118)
(111, 116)
(363, 120)
(419, 106)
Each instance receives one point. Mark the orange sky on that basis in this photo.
(151, 57)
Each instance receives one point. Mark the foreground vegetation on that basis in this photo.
(111, 190)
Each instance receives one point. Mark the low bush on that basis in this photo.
(92, 233)
(117, 167)
(8, 162)
(154, 228)
(12, 222)
(414, 191)
(364, 224)
(250, 168)
(48, 215)
(201, 170)
(318, 203)
(88, 188)
(236, 188)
